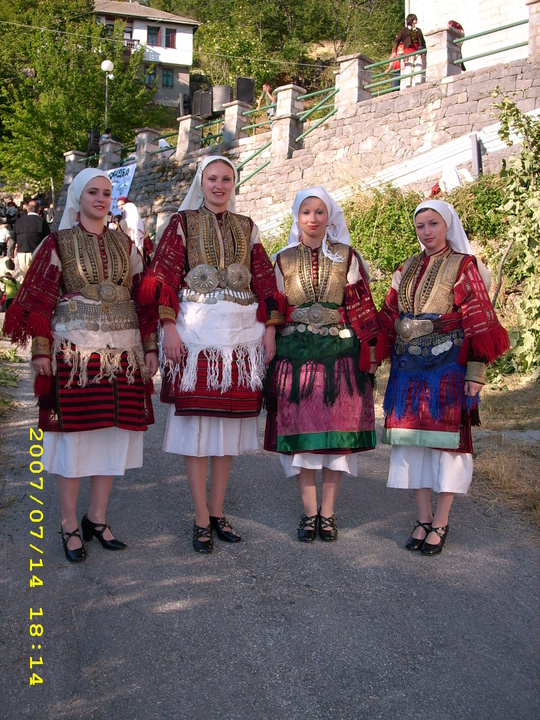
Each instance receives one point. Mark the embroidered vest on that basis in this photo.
(300, 288)
(209, 243)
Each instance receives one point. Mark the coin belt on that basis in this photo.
(74, 315)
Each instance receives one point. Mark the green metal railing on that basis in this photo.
(210, 138)
(320, 106)
(381, 86)
(164, 137)
(458, 41)
(264, 123)
(249, 159)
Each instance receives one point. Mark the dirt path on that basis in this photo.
(269, 628)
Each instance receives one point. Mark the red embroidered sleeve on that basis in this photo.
(485, 338)
(364, 320)
(164, 277)
(29, 315)
(272, 305)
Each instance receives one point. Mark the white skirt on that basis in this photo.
(200, 436)
(292, 464)
(109, 451)
(414, 468)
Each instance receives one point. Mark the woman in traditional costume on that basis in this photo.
(216, 293)
(444, 331)
(319, 390)
(93, 379)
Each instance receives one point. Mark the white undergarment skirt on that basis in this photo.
(200, 436)
(110, 451)
(292, 464)
(414, 468)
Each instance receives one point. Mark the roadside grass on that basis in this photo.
(506, 469)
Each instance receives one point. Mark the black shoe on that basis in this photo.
(90, 530)
(417, 543)
(77, 555)
(199, 545)
(219, 524)
(328, 530)
(429, 548)
(307, 530)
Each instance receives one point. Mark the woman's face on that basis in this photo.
(217, 184)
(95, 201)
(431, 231)
(313, 219)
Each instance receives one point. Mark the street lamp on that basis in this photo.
(107, 68)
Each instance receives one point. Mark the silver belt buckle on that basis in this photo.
(409, 328)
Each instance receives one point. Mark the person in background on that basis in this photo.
(218, 304)
(5, 237)
(134, 223)
(94, 352)
(11, 286)
(412, 38)
(395, 67)
(319, 395)
(29, 231)
(444, 331)
(267, 97)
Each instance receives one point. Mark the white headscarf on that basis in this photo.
(195, 197)
(79, 182)
(455, 234)
(336, 229)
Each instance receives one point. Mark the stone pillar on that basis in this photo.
(286, 125)
(75, 162)
(110, 154)
(235, 121)
(351, 79)
(146, 141)
(534, 30)
(187, 135)
(441, 52)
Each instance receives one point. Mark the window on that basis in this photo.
(154, 35)
(128, 32)
(150, 78)
(167, 77)
(170, 37)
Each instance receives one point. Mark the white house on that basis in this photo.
(167, 39)
(477, 16)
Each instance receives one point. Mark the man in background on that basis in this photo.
(29, 231)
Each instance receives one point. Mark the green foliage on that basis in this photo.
(281, 41)
(479, 206)
(53, 88)
(381, 228)
(522, 208)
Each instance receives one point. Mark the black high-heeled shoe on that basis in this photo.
(219, 524)
(328, 530)
(307, 530)
(77, 555)
(417, 543)
(90, 530)
(206, 545)
(430, 548)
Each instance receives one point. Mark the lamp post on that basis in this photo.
(107, 68)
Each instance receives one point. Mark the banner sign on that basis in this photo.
(121, 179)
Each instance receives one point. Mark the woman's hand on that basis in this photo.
(42, 366)
(471, 389)
(373, 367)
(269, 343)
(152, 362)
(172, 345)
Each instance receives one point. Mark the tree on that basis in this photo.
(53, 89)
